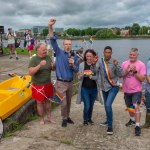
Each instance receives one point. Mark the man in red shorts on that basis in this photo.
(42, 88)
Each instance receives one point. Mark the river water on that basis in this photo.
(120, 47)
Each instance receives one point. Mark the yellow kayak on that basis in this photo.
(14, 93)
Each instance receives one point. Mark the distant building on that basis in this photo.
(21, 32)
(59, 31)
(39, 29)
(124, 32)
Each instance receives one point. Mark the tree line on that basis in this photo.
(103, 33)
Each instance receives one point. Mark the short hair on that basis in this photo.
(89, 51)
(37, 46)
(134, 50)
(107, 47)
(67, 39)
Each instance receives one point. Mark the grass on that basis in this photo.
(19, 51)
(7, 134)
(14, 125)
(33, 117)
(67, 142)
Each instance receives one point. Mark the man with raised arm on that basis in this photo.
(66, 65)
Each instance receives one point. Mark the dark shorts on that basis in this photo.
(132, 98)
(41, 92)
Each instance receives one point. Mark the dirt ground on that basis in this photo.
(76, 137)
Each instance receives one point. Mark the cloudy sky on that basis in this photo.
(20, 14)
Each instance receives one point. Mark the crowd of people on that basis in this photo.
(15, 42)
(95, 76)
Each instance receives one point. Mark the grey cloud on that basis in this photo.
(74, 13)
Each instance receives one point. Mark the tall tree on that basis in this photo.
(105, 34)
(143, 30)
(45, 32)
(135, 29)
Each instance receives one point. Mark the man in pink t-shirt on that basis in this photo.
(134, 75)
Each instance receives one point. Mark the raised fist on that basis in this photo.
(51, 22)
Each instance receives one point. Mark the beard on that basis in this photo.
(67, 50)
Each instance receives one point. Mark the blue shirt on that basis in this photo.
(147, 86)
(63, 70)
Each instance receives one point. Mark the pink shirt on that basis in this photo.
(130, 83)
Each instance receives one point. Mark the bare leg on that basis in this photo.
(48, 110)
(30, 53)
(10, 51)
(131, 114)
(137, 114)
(14, 49)
(40, 109)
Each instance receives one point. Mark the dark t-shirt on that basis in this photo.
(17, 42)
(43, 76)
(87, 82)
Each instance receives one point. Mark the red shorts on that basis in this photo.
(30, 47)
(42, 92)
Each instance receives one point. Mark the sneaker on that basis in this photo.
(110, 131)
(70, 121)
(130, 123)
(104, 123)
(91, 122)
(17, 58)
(10, 57)
(64, 123)
(85, 123)
(137, 131)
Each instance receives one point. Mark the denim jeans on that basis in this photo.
(147, 101)
(88, 96)
(109, 97)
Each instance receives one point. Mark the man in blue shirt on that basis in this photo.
(66, 65)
